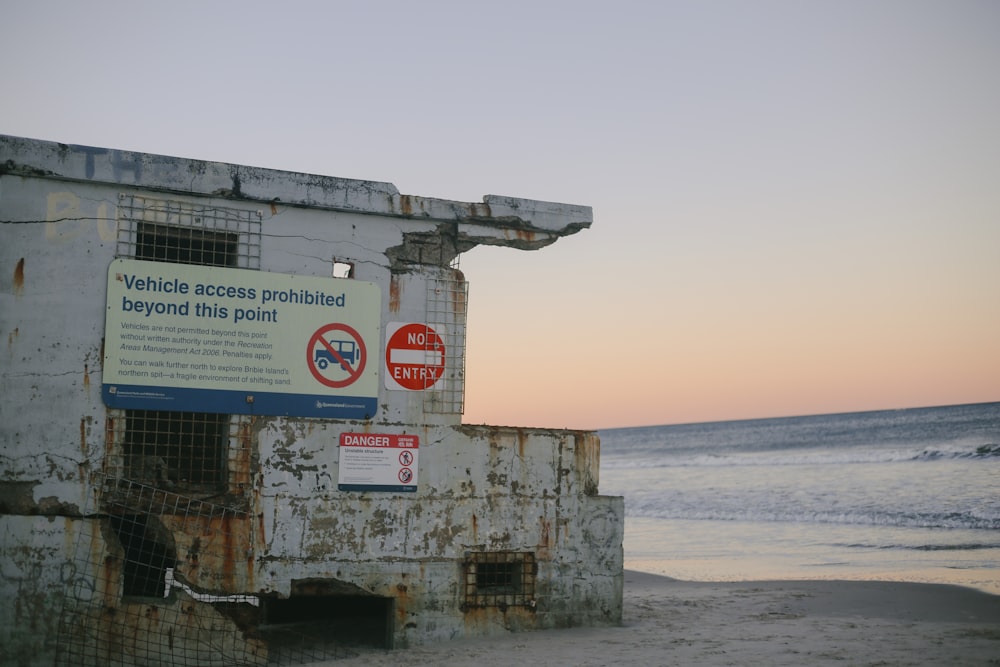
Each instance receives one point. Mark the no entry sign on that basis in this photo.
(414, 356)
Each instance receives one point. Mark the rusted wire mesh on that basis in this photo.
(165, 558)
(447, 297)
(163, 575)
(162, 230)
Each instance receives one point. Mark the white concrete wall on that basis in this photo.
(480, 488)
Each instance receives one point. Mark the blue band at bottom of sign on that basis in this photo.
(177, 399)
(409, 488)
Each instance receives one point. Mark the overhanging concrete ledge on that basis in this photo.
(71, 162)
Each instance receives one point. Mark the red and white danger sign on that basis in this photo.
(414, 356)
(378, 462)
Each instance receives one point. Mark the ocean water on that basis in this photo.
(901, 495)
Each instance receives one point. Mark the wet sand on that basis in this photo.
(670, 622)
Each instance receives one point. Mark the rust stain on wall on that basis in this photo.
(110, 570)
(525, 235)
(459, 297)
(213, 548)
(241, 464)
(406, 205)
(12, 336)
(86, 377)
(395, 292)
(229, 558)
(19, 277)
(545, 540)
(109, 438)
(83, 436)
(260, 536)
(587, 451)
(402, 603)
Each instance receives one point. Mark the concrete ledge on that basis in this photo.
(71, 162)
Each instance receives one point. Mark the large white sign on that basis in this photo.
(207, 339)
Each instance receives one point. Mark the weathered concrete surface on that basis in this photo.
(497, 220)
(280, 521)
(482, 489)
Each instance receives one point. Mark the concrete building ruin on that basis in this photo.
(231, 422)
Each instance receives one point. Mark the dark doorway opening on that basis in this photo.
(330, 622)
(148, 554)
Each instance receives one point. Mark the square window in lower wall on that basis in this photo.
(499, 579)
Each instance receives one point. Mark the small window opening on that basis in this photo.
(164, 230)
(186, 245)
(342, 269)
(167, 450)
(500, 579)
(148, 554)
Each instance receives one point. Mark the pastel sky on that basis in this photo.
(797, 203)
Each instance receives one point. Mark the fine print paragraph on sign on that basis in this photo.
(182, 337)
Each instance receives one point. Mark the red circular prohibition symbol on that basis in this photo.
(421, 339)
(331, 354)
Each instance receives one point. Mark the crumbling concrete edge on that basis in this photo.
(71, 162)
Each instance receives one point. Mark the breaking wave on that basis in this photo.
(790, 457)
(967, 521)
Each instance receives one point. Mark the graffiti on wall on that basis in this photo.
(69, 217)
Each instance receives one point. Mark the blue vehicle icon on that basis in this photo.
(346, 349)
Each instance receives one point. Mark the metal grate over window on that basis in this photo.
(500, 579)
(176, 449)
(447, 299)
(172, 231)
(183, 245)
(184, 450)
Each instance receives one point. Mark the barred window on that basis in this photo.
(500, 579)
(164, 230)
(182, 450)
(170, 449)
(183, 245)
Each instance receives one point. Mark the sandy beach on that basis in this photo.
(670, 622)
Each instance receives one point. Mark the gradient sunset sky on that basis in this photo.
(796, 203)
